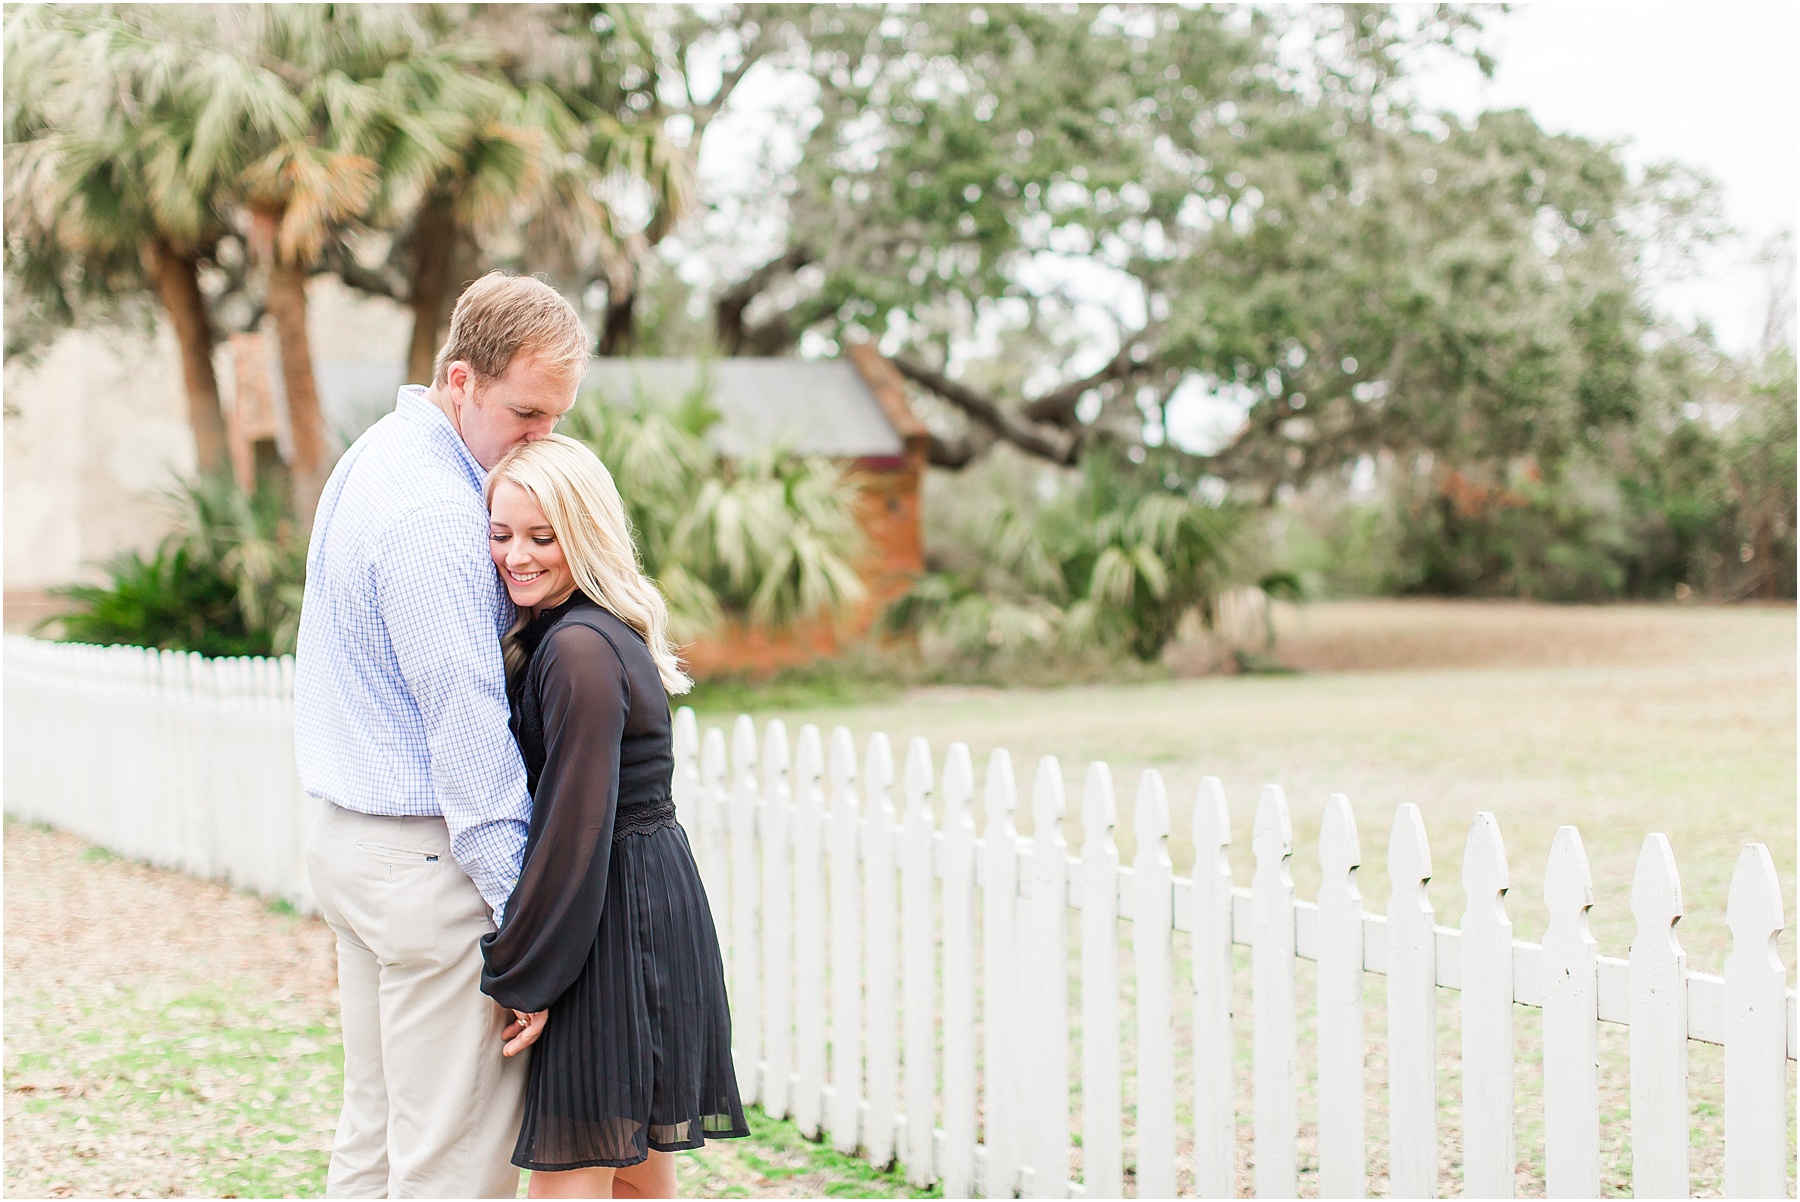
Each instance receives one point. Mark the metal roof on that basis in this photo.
(813, 407)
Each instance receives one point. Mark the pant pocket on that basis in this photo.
(389, 853)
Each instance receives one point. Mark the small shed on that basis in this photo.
(851, 410)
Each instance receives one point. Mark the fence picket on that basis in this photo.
(1756, 1095)
(809, 932)
(1153, 881)
(1343, 1158)
(918, 969)
(880, 950)
(1047, 1061)
(958, 1168)
(162, 798)
(1659, 1027)
(746, 995)
(846, 946)
(148, 834)
(684, 785)
(162, 793)
(1571, 1025)
(777, 923)
(1487, 1023)
(228, 820)
(1002, 1098)
(1277, 1124)
(715, 868)
(1215, 1069)
(1412, 1012)
(1102, 1122)
(206, 779)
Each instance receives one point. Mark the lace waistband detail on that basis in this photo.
(644, 819)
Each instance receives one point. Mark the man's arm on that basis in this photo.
(435, 589)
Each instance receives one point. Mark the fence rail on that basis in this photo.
(902, 985)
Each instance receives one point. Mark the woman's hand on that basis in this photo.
(523, 1031)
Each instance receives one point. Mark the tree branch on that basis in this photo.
(1057, 406)
(728, 309)
(958, 452)
(1056, 446)
(340, 262)
(703, 114)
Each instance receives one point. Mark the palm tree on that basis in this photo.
(459, 157)
(589, 81)
(328, 113)
(294, 97)
(492, 157)
(98, 126)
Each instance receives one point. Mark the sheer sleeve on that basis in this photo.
(553, 915)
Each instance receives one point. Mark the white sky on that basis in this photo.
(1714, 85)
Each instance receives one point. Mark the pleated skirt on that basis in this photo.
(636, 1055)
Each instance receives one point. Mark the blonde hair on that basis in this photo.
(500, 316)
(578, 496)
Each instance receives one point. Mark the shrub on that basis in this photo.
(226, 581)
(769, 538)
(1116, 557)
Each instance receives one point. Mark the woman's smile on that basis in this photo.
(526, 550)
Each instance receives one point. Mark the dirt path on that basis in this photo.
(163, 1036)
(170, 1037)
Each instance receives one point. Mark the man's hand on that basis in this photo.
(523, 1031)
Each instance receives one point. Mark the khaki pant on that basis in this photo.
(431, 1107)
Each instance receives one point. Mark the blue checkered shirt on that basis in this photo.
(399, 691)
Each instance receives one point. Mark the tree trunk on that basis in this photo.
(287, 306)
(620, 330)
(178, 283)
(434, 251)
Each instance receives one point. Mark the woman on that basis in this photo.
(608, 929)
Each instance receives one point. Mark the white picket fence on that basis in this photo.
(901, 985)
(168, 757)
(852, 905)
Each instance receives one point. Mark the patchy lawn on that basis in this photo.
(170, 1037)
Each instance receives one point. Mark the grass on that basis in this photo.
(222, 1094)
(777, 1161)
(1620, 721)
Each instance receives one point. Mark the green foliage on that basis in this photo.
(1118, 556)
(1273, 221)
(1697, 500)
(770, 538)
(227, 581)
(860, 676)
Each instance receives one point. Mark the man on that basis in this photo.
(400, 719)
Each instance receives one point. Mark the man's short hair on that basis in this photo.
(500, 316)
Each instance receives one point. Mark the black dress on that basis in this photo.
(608, 927)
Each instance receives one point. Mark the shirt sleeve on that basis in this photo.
(553, 917)
(434, 591)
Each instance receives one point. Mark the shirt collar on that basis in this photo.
(413, 406)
